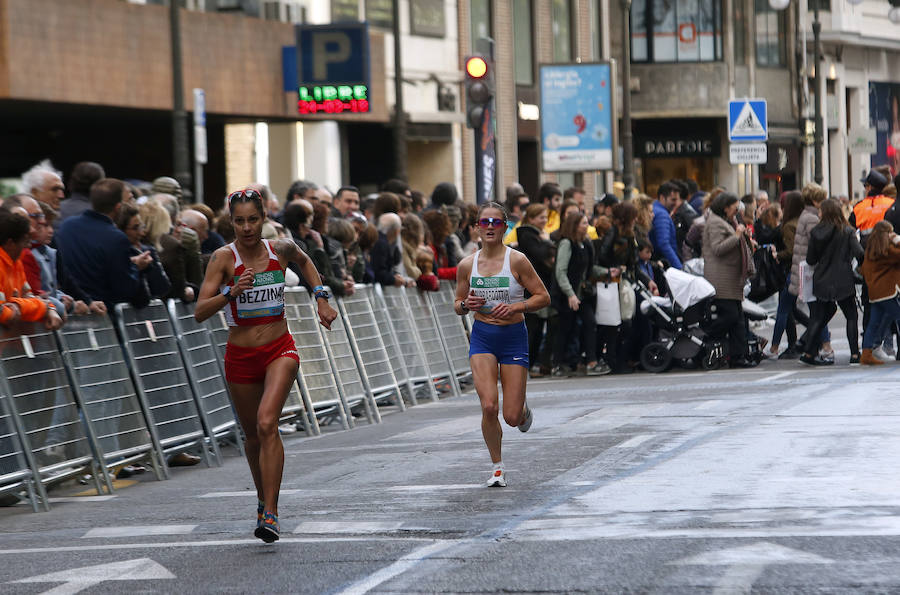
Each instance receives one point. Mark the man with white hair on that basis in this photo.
(762, 201)
(385, 254)
(45, 184)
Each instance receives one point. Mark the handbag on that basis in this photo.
(769, 277)
(806, 282)
(627, 300)
(607, 312)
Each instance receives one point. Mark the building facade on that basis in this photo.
(92, 80)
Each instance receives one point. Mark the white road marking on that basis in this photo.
(78, 579)
(776, 376)
(582, 483)
(708, 405)
(436, 487)
(635, 441)
(747, 563)
(326, 527)
(455, 427)
(206, 543)
(138, 531)
(403, 564)
(82, 498)
(246, 493)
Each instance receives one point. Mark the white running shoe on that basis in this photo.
(888, 347)
(880, 354)
(497, 479)
(526, 425)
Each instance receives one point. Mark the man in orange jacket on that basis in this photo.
(16, 301)
(870, 210)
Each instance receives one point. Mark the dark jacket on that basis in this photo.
(578, 273)
(98, 256)
(831, 250)
(181, 262)
(539, 252)
(784, 243)
(765, 235)
(154, 276)
(385, 257)
(73, 206)
(320, 260)
(683, 217)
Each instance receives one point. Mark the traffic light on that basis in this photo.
(479, 89)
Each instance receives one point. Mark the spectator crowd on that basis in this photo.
(85, 244)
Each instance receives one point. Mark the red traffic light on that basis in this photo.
(476, 67)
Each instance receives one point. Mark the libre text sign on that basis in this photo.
(333, 68)
(576, 117)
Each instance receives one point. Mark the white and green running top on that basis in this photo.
(496, 289)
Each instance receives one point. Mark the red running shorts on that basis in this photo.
(247, 365)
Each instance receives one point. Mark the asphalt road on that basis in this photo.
(777, 479)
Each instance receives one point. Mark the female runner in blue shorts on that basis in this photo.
(492, 283)
(246, 278)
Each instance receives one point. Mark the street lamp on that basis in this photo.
(627, 146)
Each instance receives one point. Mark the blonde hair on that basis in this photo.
(644, 206)
(156, 222)
(813, 194)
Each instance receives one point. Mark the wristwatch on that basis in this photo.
(321, 292)
(463, 307)
(226, 291)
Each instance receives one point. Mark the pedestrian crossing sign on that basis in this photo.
(747, 120)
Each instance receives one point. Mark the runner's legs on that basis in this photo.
(513, 378)
(484, 375)
(246, 398)
(279, 376)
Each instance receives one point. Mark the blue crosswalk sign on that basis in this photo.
(747, 120)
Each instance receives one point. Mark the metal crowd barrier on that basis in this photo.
(92, 351)
(408, 341)
(162, 382)
(430, 337)
(372, 355)
(96, 394)
(17, 468)
(60, 443)
(451, 329)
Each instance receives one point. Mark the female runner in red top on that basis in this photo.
(247, 278)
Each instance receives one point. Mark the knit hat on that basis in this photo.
(166, 185)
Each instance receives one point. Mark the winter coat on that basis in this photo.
(617, 250)
(882, 274)
(573, 269)
(662, 236)
(539, 252)
(831, 250)
(722, 258)
(809, 218)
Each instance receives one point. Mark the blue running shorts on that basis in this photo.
(508, 343)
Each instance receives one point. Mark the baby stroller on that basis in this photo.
(679, 322)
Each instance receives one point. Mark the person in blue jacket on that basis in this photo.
(662, 233)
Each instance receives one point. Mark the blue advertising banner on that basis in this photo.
(576, 117)
(884, 117)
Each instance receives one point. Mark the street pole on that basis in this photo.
(399, 111)
(181, 160)
(817, 51)
(625, 132)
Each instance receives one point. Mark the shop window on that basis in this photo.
(676, 30)
(740, 32)
(522, 42)
(771, 29)
(561, 28)
(480, 21)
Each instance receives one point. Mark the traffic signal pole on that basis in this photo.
(479, 87)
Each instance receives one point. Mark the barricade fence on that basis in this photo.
(141, 385)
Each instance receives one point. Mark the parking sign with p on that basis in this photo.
(333, 68)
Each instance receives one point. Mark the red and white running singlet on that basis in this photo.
(264, 302)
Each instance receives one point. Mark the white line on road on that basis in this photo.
(776, 376)
(82, 498)
(708, 404)
(206, 543)
(403, 564)
(245, 493)
(636, 441)
(138, 531)
(326, 527)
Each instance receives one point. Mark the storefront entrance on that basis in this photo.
(676, 148)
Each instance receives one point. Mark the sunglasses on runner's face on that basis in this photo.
(491, 222)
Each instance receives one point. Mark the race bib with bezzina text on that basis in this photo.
(265, 298)
(494, 290)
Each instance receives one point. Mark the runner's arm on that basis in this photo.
(289, 251)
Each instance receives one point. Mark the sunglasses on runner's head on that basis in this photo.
(242, 195)
(491, 222)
